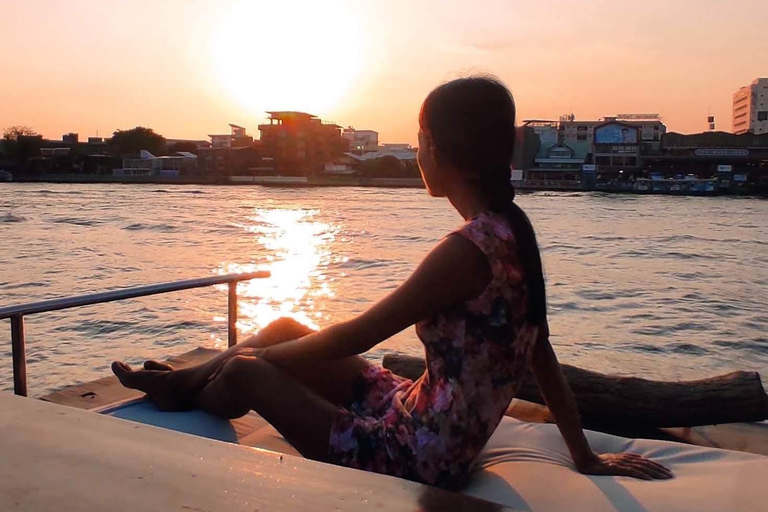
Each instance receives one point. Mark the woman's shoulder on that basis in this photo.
(488, 230)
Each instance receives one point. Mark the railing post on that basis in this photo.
(232, 314)
(19, 355)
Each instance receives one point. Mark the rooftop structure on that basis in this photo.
(361, 140)
(237, 137)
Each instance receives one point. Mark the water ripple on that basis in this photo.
(11, 218)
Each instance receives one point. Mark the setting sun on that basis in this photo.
(289, 55)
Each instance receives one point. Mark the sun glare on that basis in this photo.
(288, 55)
(298, 250)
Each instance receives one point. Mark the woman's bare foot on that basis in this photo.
(163, 387)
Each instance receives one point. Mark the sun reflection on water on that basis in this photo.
(296, 252)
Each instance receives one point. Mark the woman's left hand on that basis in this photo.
(248, 352)
(624, 464)
(244, 351)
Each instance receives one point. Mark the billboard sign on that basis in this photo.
(639, 117)
(615, 133)
(724, 168)
(721, 152)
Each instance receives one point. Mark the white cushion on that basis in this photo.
(527, 466)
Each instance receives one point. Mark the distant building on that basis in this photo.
(224, 162)
(616, 147)
(147, 164)
(237, 138)
(572, 153)
(559, 164)
(739, 162)
(361, 141)
(400, 154)
(383, 163)
(34, 156)
(300, 144)
(750, 108)
(580, 135)
(170, 143)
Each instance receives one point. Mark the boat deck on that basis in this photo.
(61, 458)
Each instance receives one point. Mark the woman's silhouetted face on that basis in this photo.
(428, 166)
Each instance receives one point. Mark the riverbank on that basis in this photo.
(354, 181)
(274, 181)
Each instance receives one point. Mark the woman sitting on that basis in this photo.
(479, 306)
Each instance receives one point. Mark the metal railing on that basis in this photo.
(17, 313)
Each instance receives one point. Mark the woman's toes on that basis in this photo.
(157, 366)
(124, 373)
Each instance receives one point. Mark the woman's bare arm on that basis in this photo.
(452, 273)
(556, 392)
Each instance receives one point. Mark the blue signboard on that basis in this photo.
(615, 133)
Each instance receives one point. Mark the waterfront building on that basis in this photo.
(300, 144)
(197, 143)
(580, 135)
(147, 164)
(36, 156)
(361, 141)
(236, 138)
(739, 163)
(402, 154)
(383, 163)
(750, 108)
(237, 161)
(575, 154)
(558, 168)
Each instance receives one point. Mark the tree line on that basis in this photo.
(122, 142)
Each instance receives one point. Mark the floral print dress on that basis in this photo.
(431, 430)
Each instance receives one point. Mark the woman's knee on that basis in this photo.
(223, 396)
(284, 329)
(237, 370)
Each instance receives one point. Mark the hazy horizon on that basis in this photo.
(187, 69)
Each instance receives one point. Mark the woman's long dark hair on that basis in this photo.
(471, 122)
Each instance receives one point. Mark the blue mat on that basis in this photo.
(191, 422)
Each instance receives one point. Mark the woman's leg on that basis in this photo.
(281, 330)
(178, 389)
(245, 383)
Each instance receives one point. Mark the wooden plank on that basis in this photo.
(742, 437)
(608, 399)
(55, 456)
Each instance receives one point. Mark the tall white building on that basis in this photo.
(750, 108)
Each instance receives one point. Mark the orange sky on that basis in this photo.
(188, 68)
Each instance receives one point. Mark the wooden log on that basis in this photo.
(642, 403)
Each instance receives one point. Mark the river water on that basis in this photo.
(653, 286)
